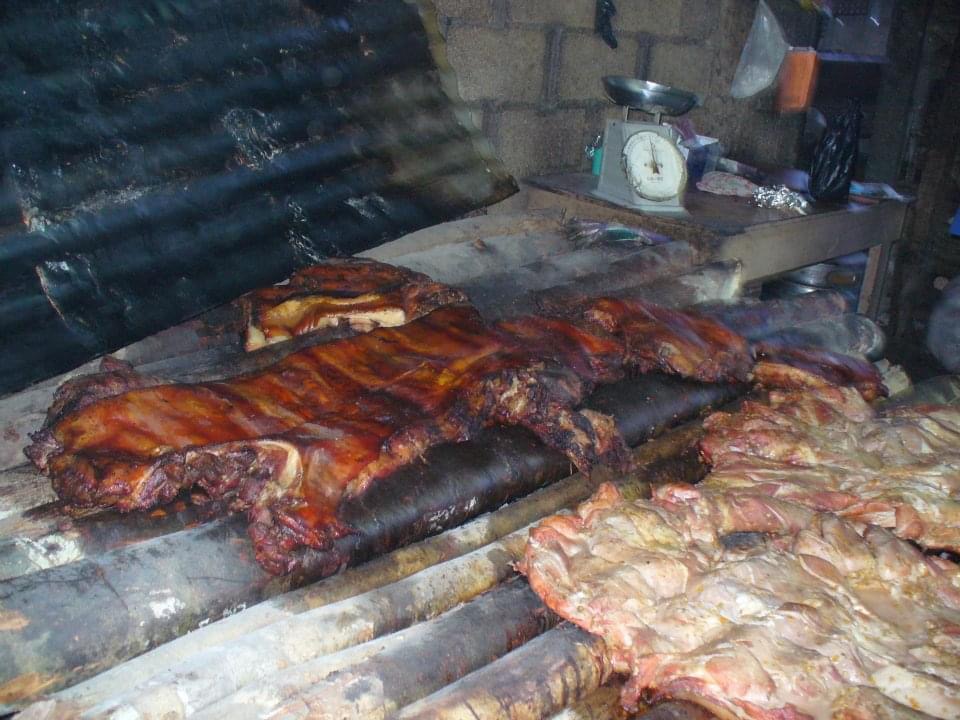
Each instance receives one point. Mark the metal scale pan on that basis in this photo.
(618, 181)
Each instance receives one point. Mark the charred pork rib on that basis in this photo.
(822, 619)
(290, 442)
(363, 294)
(681, 343)
(783, 367)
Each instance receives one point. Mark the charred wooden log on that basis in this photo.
(513, 293)
(602, 704)
(222, 658)
(560, 667)
(406, 666)
(564, 666)
(675, 710)
(753, 319)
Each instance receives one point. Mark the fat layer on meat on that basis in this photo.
(361, 294)
(820, 618)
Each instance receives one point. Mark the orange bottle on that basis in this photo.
(798, 80)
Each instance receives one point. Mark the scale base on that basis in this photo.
(647, 206)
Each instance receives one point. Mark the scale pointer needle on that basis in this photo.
(653, 156)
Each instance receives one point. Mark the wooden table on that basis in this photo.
(767, 242)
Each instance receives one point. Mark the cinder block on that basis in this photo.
(657, 17)
(572, 13)
(469, 10)
(585, 59)
(531, 142)
(699, 19)
(497, 64)
(685, 65)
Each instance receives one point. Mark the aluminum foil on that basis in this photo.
(781, 197)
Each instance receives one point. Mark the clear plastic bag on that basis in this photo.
(762, 54)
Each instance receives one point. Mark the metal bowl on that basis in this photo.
(827, 275)
(649, 96)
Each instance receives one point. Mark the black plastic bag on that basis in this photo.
(835, 157)
(603, 21)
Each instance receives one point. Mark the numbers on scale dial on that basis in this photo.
(654, 166)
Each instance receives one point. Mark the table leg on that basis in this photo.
(874, 280)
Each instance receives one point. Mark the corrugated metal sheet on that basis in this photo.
(161, 157)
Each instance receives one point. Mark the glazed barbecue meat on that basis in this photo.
(819, 618)
(363, 294)
(828, 450)
(288, 443)
(670, 341)
(791, 367)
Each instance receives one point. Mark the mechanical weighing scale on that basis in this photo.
(643, 167)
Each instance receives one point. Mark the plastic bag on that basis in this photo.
(835, 157)
(603, 22)
(762, 54)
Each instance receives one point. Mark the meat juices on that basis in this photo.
(288, 443)
(825, 619)
(363, 294)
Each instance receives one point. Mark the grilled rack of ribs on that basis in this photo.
(363, 294)
(782, 367)
(816, 617)
(289, 443)
(672, 341)
(825, 448)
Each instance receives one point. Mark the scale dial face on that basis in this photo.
(654, 166)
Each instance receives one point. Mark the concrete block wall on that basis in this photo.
(530, 72)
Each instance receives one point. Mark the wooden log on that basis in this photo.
(509, 293)
(714, 282)
(753, 319)
(675, 710)
(45, 537)
(558, 668)
(208, 665)
(216, 672)
(407, 665)
(129, 600)
(602, 704)
(663, 458)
